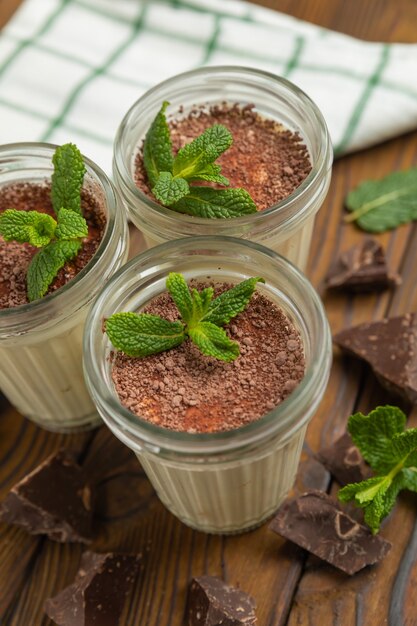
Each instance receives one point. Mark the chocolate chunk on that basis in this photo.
(316, 522)
(211, 602)
(97, 595)
(53, 500)
(390, 348)
(362, 268)
(344, 461)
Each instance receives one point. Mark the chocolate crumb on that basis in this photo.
(15, 257)
(203, 394)
(266, 159)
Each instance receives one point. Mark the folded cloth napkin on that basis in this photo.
(70, 69)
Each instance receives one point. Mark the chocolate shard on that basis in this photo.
(362, 268)
(53, 500)
(344, 461)
(316, 522)
(390, 348)
(211, 602)
(98, 593)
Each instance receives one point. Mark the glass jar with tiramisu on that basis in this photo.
(208, 356)
(62, 235)
(264, 182)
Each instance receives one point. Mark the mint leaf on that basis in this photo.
(404, 443)
(211, 173)
(201, 302)
(392, 453)
(157, 147)
(27, 227)
(71, 225)
(373, 434)
(67, 179)
(168, 189)
(213, 341)
(231, 302)
(45, 265)
(379, 205)
(196, 155)
(144, 334)
(180, 293)
(216, 203)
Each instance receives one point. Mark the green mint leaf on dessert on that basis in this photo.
(46, 264)
(213, 341)
(181, 295)
(202, 151)
(71, 225)
(27, 227)
(59, 239)
(216, 203)
(168, 190)
(169, 176)
(143, 334)
(67, 179)
(379, 205)
(157, 147)
(391, 452)
(232, 302)
(211, 173)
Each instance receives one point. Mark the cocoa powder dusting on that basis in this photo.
(183, 390)
(15, 257)
(266, 159)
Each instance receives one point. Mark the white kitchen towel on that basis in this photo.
(70, 69)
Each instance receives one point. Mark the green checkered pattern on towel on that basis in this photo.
(70, 69)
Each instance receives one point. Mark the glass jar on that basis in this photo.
(222, 482)
(41, 342)
(285, 227)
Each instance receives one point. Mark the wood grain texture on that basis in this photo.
(290, 588)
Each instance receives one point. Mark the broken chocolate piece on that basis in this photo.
(362, 268)
(390, 348)
(316, 522)
(97, 595)
(344, 461)
(211, 602)
(53, 500)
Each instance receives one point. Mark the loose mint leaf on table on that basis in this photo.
(157, 148)
(168, 190)
(27, 227)
(213, 341)
(231, 302)
(67, 179)
(216, 203)
(391, 452)
(379, 205)
(143, 334)
(194, 157)
(71, 225)
(46, 264)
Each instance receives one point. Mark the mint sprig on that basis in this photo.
(171, 178)
(139, 335)
(391, 452)
(59, 239)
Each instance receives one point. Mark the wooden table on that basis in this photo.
(290, 587)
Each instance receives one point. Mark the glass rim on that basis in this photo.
(279, 419)
(301, 191)
(35, 149)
